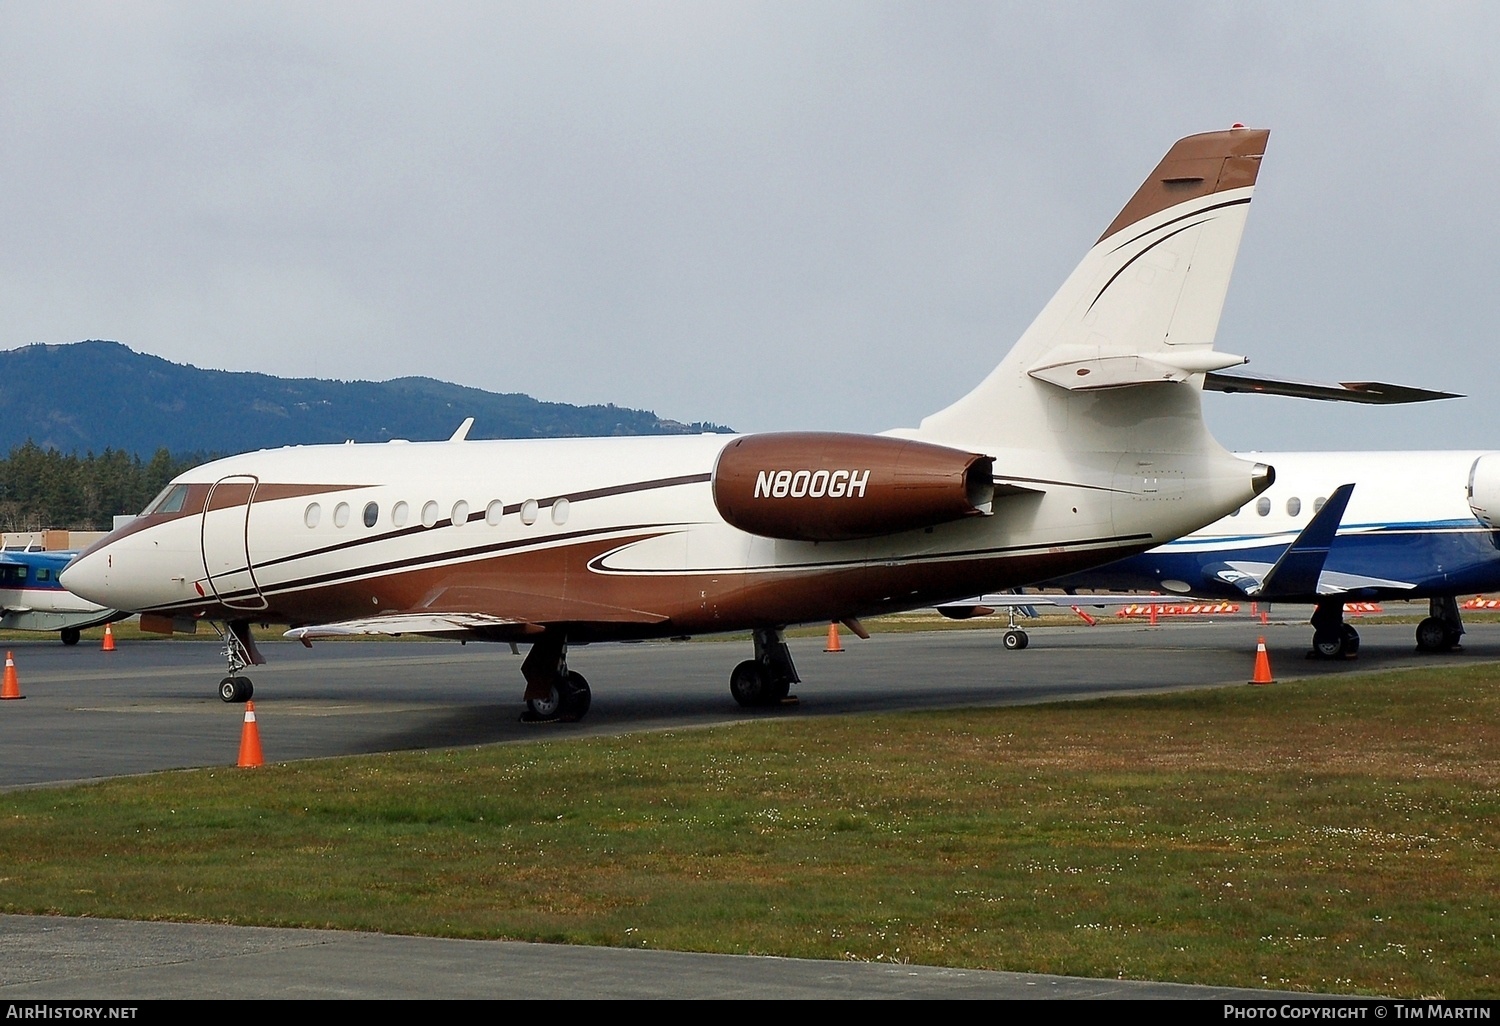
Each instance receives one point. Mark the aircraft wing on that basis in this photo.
(984, 605)
(403, 623)
(1344, 391)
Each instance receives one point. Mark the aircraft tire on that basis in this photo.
(1328, 644)
(1434, 636)
(575, 698)
(1014, 641)
(751, 686)
(544, 710)
(236, 689)
(70, 635)
(1351, 641)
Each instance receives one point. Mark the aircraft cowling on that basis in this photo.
(825, 486)
(1484, 490)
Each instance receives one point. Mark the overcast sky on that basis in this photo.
(769, 215)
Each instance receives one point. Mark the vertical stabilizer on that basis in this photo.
(1141, 309)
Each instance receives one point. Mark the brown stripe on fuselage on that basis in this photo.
(555, 586)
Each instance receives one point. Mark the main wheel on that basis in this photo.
(750, 684)
(70, 635)
(545, 708)
(1351, 641)
(1328, 644)
(575, 698)
(1015, 640)
(1433, 636)
(236, 689)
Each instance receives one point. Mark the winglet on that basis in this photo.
(462, 433)
(1296, 573)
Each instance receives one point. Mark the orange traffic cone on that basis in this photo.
(11, 688)
(1262, 664)
(250, 756)
(834, 645)
(109, 639)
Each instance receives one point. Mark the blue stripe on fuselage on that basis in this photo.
(1438, 558)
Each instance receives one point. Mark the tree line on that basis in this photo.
(43, 488)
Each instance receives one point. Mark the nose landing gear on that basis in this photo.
(239, 652)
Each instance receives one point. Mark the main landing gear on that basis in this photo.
(1332, 637)
(1014, 638)
(1444, 626)
(554, 693)
(239, 652)
(768, 678)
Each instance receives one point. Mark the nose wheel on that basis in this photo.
(236, 689)
(240, 651)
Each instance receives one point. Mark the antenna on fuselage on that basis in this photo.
(462, 433)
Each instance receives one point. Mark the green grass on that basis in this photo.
(1333, 835)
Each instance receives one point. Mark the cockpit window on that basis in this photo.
(169, 501)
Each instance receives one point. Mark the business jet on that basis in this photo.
(1086, 444)
(1341, 527)
(32, 597)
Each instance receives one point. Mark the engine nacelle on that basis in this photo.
(1484, 489)
(824, 486)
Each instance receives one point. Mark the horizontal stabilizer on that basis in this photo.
(1297, 572)
(1082, 368)
(1343, 392)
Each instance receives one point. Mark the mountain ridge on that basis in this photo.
(95, 395)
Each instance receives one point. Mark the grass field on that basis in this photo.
(1335, 835)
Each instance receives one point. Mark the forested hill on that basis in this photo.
(91, 396)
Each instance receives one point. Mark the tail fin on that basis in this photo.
(1141, 308)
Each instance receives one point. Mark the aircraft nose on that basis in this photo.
(88, 577)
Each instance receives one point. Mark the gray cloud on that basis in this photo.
(771, 215)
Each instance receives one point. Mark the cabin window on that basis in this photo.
(1293, 506)
(460, 514)
(399, 513)
(528, 512)
(429, 514)
(341, 515)
(169, 501)
(313, 514)
(494, 513)
(43, 574)
(1318, 503)
(560, 512)
(1263, 506)
(372, 513)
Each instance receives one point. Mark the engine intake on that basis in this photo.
(826, 486)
